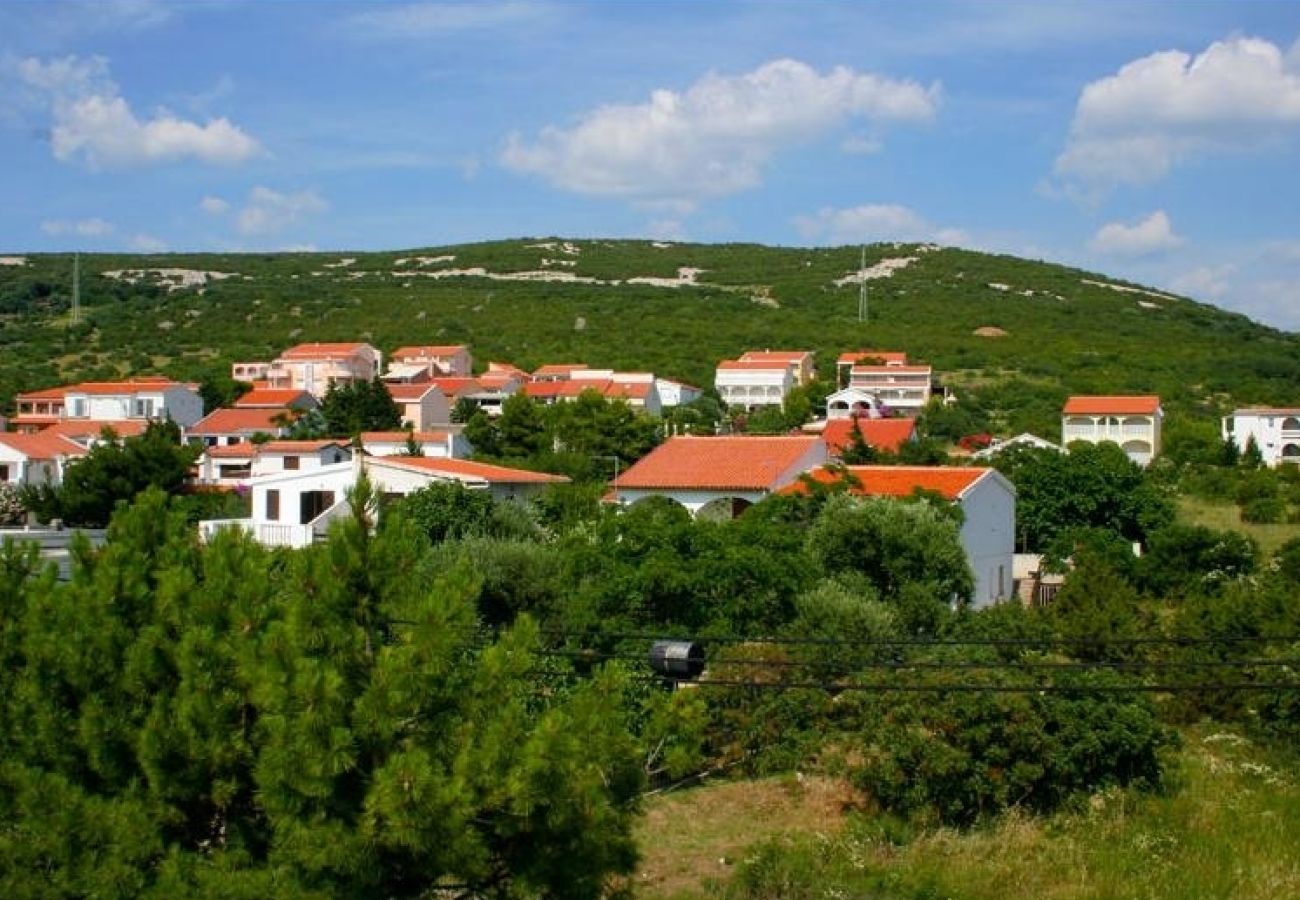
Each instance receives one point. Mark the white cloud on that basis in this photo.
(425, 20)
(1134, 126)
(214, 206)
(82, 228)
(268, 211)
(874, 222)
(1205, 282)
(93, 124)
(146, 243)
(716, 137)
(1153, 234)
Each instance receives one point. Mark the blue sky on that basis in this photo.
(1158, 142)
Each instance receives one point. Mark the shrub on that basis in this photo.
(12, 509)
(1264, 511)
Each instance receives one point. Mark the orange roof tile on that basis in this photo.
(465, 468)
(557, 369)
(892, 370)
(411, 392)
(242, 450)
(883, 434)
(753, 365)
(885, 356)
(240, 421)
(310, 351)
(41, 445)
(786, 356)
(1138, 405)
(454, 387)
(79, 429)
(140, 384)
(430, 352)
(720, 463)
(399, 437)
(54, 393)
(277, 397)
(897, 481)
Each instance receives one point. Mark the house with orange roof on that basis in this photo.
(986, 498)
(446, 443)
(799, 362)
(886, 435)
(140, 399)
(1132, 421)
(88, 434)
(1275, 431)
(718, 477)
(750, 385)
(430, 361)
(225, 426)
(276, 398)
(294, 508)
(850, 358)
(36, 459)
(313, 367)
(423, 404)
(640, 393)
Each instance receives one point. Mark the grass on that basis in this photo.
(1227, 517)
(1225, 828)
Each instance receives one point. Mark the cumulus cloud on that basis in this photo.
(82, 228)
(1134, 126)
(214, 206)
(93, 124)
(716, 137)
(1154, 234)
(268, 211)
(424, 20)
(874, 222)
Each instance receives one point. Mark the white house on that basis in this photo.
(676, 393)
(1025, 439)
(799, 362)
(36, 459)
(314, 367)
(987, 501)
(887, 376)
(751, 385)
(1276, 432)
(139, 399)
(1133, 422)
(434, 360)
(854, 402)
(442, 444)
(296, 508)
(233, 426)
(718, 477)
(298, 456)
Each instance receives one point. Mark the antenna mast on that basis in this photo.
(862, 287)
(76, 288)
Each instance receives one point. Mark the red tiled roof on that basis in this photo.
(399, 437)
(786, 356)
(77, 429)
(428, 352)
(557, 369)
(463, 467)
(242, 450)
(897, 481)
(1141, 405)
(883, 434)
(54, 393)
(753, 365)
(310, 351)
(240, 421)
(411, 392)
(453, 387)
(887, 356)
(277, 397)
(893, 370)
(42, 445)
(300, 446)
(628, 390)
(721, 463)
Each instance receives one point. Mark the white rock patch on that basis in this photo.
(1125, 289)
(883, 269)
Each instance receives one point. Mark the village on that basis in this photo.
(297, 487)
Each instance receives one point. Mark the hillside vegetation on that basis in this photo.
(676, 309)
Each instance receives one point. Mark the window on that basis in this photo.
(143, 407)
(79, 408)
(291, 462)
(273, 506)
(4, 472)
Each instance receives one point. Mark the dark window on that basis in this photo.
(291, 462)
(4, 473)
(273, 506)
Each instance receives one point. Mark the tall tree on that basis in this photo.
(359, 406)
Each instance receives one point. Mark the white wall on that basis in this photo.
(1276, 443)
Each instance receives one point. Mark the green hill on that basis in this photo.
(1011, 335)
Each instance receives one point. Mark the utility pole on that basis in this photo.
(862, 286)
(76, 288)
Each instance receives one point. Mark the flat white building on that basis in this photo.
(1276, 432)
(751, 385)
